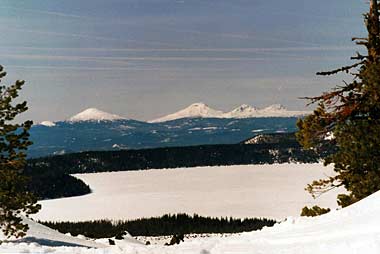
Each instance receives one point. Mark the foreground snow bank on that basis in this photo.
(352, 230)
(41, 235)
(41, 239)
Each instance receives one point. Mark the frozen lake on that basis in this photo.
(272, 191)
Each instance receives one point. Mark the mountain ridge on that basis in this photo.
(68, 137)
(202, 110)
(195, 110)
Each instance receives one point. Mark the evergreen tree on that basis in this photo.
(350, 114)
(314, 211)
(14, 140)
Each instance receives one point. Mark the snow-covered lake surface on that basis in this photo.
(352, 230)
(272, 191)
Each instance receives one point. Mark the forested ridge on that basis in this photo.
(74, 137)
(286, 150)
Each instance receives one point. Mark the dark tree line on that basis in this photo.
(286, 150)
(49, 184)
(159, 226)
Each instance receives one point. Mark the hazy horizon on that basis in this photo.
(148, 58)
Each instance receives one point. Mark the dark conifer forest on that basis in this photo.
(159, 226)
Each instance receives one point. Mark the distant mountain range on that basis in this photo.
(195, 110)
(93, 130)
(201, 110)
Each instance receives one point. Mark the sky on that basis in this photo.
(143, 59)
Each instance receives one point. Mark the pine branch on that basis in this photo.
(359, 57)
(343, 69)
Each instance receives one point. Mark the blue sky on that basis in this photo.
(147, 58)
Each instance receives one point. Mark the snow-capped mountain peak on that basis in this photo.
(47, 123)
(244, 108)
(274, 107)
(93, 114)
(201, 110)
(242, 111)
(195, 110)
(277, 110)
